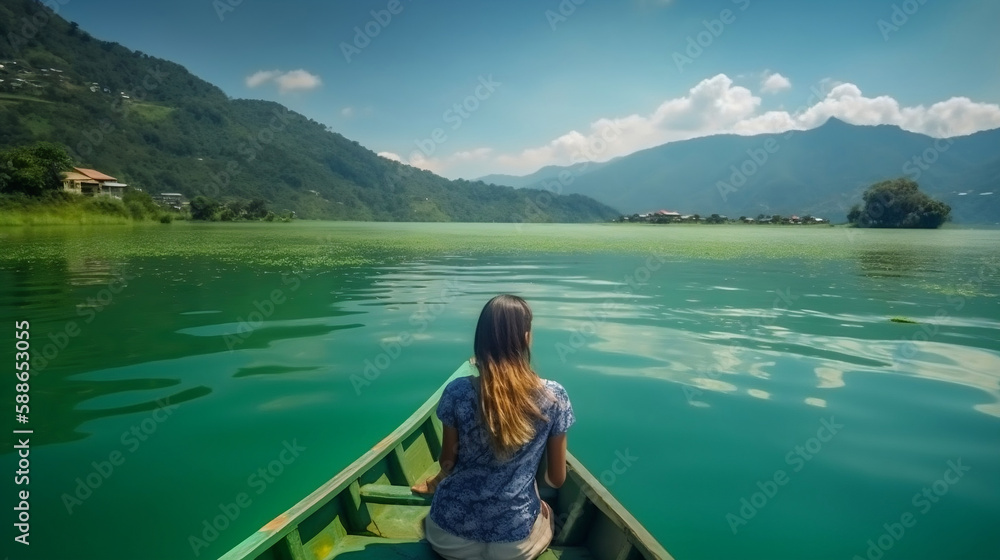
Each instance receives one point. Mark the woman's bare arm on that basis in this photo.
(449, 453)
(555, 473)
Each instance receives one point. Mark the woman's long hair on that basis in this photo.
(508, 388)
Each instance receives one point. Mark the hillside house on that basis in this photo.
(90, 182)
(171, 200)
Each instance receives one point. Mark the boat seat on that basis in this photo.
(405, 522)
(392, 495)
(566, 553)
(354, 547)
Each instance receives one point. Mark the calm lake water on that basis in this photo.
(768, 406)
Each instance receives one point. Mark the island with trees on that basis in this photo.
(898, 203)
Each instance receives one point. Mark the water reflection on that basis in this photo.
(702, 368)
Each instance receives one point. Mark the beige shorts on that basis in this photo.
(453, 547)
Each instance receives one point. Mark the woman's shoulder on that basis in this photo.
(556, 389)
(460, 385)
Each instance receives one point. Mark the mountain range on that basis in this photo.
(821, 172)
(152, 124)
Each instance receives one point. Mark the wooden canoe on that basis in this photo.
(367, 511)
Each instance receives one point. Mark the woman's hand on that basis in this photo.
(428, 486)
(449, 451)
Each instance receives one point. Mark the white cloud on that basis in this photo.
(773, 83)
(295, 80)
(473, 155)
(712, 105)
(350, 111)
(262, 77)
(432, 164)
(298, 80)
(716, 106)
(392, 156)
(440, 165)
(957, 116)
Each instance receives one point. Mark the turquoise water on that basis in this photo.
(768, 406)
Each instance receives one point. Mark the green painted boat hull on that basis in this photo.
(368, 512)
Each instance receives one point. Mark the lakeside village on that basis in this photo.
(671, 217)
(95, 184)
(90, 182)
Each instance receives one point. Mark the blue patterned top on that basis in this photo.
(483, 499)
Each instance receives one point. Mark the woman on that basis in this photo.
(496, 427)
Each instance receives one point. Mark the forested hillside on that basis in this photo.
(152, 124)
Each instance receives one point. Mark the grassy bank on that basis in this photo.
(68, 209)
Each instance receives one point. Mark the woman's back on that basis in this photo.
(487, 499)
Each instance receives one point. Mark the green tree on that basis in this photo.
(203, 208)
(233, 210)
(854, 214)
(257, 208)
(140, 205)
(33, 170)
(898, 203)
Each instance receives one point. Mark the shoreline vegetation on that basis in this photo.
(32, 193)
(716, 219)
(896, 204)
(135, 207)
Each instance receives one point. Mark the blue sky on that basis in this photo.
(540, 82)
